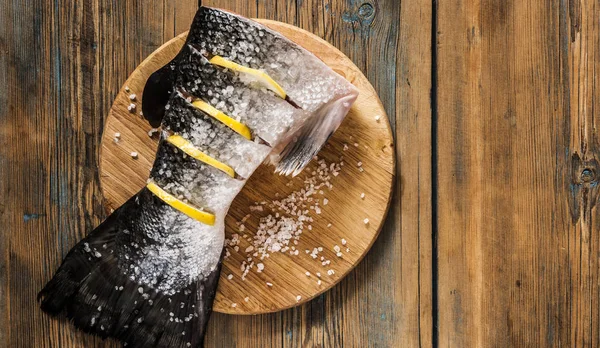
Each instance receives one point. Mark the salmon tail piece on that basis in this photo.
(99, 298)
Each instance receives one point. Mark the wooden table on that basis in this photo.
(493, 237)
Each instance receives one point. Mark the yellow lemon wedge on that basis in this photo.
(194, 213)
(262, 77)
(187, 147)
(236, 126)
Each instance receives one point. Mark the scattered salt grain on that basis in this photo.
(355, 144)
(319, 282)
(359, 164)
(362, 195)
(127, 89)
(339, 254)
(134, 155)
(318, 274)
(298, 298)
(131, 107)
(269, 284)
(152, 131)
(234, 305)
(331, 272)
(132, 96)
(325, 201)
(246, 298)
(344, 242)
(307, 274)
(260, 267)
(345, 147)
(336, 248)
(377, 118)
(230, 276)
(328, 225)
(366, 221)
(117, 135)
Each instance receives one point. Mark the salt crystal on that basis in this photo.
(132, 96)
(234, 305)
(325, 201)
(345, 147)
(307, 274)
(336, 248)
(366, 221)
(269, 284)
(331, 272)
(359, 164)
(355, 144)
(260, 267)
(318, 274)
(344, 241)
(131, 107)
(230, 276)
(134, 155)
(298, 298)
(362, 195)
(328, 225)
(377, 118)
(117, 135)
(246, 298)
(339, 254)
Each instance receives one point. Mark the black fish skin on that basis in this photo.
(87, 286)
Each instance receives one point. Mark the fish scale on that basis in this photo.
(148, 274)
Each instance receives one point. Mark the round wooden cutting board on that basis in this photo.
(340, 233)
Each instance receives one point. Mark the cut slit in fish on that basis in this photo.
(148, 274)
(249, 75)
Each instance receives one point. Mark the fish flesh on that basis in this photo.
(236, 95)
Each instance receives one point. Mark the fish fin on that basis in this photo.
(308, 140)
(93, 292)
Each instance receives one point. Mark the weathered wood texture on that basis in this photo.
(517, 173)
(61, 65)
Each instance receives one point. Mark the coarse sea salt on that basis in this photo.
(284, 219)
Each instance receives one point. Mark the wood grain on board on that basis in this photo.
(62, 65)
(517, 172)
(361, 189)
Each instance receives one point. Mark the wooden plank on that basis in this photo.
(517, 173)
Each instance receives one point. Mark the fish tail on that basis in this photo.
(99, 298)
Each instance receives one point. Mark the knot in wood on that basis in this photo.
(588, 175)
(366, 11)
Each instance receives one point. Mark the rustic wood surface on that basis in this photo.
(362, 138)
(517, 173)
(61, 67)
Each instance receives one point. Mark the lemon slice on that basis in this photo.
(260, 76)
(236, 126)
(187, 147)
(194, 213)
